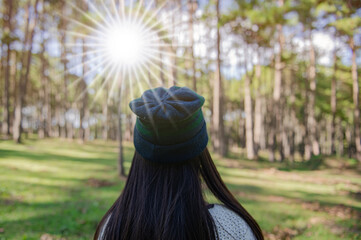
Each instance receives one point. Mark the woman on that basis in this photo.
(162, 198)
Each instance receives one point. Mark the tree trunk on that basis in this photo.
(333, 102)
(57, 132)
(84, 111)
(191, 6)
(44, 108)
(121, 171)
(24, 74)
(259, 137)
(248, 107)
(249, 119)
(65, 103)
(275, 131)
(105, 114)
(293, 123)
(258, 122)
(355, 95)
(218, 127)
(8, 30)
(173, 80)
(312, 145)
(340, 137)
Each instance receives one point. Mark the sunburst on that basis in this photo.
(124, 43)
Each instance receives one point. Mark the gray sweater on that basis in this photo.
(228, 224)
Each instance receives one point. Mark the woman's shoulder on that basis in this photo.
(229, 224)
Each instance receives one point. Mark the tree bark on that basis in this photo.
(312, 145)
(333, 102)
(84, 110)
(258, 122)
(105, 114)
(65, 103)
(275, 131)
(121, 171)
(43, 130)
(259, 137)
(249, 120)
(248, 108)
(355, 96)
(24, 74)
(8, 29)
(218, 127)
(191, 5)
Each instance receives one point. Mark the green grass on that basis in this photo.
(62, 188)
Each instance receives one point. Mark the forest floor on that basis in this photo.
(60, 189)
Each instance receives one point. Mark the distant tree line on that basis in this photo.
(282, 103)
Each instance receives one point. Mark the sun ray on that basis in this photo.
(80, 34)
(186, 110)
(160, 69)
(110, 36)
(122, 8)
(86, 62)
(158, 22)
(152, 31)
(168, 54)
(146, 106)
(108, 13)
(158, 100)
(86, 15)
(81, 95)
(137, 11)
(92, 29)
(147, 9)
(74, 83)
(168, 45)
(111, 94)
(71, 55)
(130, 9)
(153, 16)
(169, 64)
(165, 89)
(116, 12)
(106, 80)
(97, 12)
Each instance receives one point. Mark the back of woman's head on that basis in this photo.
(162, 198)
(165, 201)
(160, 201)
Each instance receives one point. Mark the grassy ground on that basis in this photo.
(56, 189)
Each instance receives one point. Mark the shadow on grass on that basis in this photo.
(315, 163)
(70, 218)
(8, 154)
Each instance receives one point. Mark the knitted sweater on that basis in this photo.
(228, 224)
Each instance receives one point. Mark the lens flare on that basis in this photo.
(125, 44)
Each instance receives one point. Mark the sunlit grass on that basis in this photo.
(46, 187)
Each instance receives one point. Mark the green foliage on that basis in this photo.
(63, 188)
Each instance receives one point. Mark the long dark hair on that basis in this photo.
(165, 201)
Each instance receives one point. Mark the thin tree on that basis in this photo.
(45, 110)
(191, 9)
(355, 97)
(7, 38)
(121, 171)
(248, 105)
(25, 69)
(333, 101)
(217, 124)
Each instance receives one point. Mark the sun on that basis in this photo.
(125, 43)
